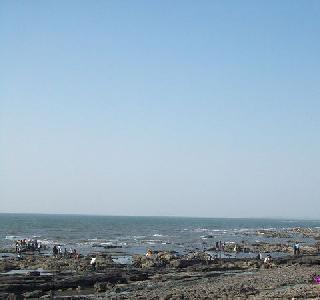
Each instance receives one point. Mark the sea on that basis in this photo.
(134, 235)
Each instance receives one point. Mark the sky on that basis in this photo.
(161, 108)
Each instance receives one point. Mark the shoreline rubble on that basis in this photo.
(197, 274)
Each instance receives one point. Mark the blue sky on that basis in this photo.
(189, 108)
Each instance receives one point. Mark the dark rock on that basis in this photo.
(33, 294)
(34, 273)
(137, 276)
(7, 266)
(100, 287)
(182, 263)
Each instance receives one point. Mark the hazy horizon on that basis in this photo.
(207, 109)
(148, 216)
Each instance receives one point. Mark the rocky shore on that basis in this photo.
(201, 274)
(164, 275)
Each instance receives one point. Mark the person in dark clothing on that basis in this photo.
(55, 251)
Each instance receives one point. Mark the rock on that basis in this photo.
(33, 294)
(152, 263)
(6, 266)
(100, 287)
(199, 256)
(166, 297)
(5, 250)
(33, 273)
(248, 290)
(182, 263)
(166, 256)
(137, 276)
(141, 261)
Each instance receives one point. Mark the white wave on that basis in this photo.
(106, 244)
(46, 242)
(243, 229)
(200, 230)
(13, 237)
(152, 242)
(138, 237)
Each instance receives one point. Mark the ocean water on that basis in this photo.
(136, 234)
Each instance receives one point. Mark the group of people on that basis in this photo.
(28, 245)
(58, 252)
(220, 246)
(32, 245)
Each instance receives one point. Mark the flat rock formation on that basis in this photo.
(164, 275)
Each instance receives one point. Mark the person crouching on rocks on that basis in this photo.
(267, 261)
(149, 253)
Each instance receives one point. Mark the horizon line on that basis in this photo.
(160, 216)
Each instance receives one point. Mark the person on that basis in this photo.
(223, 246)
(316, 279)
(267, 261)
(55, 251)
(59, 251)
(17, 246)
(93, 263)
(296, 249)
(149, 253)
(75, 254)
(35, 245)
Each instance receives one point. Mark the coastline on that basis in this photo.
(197, 261)
(164, 275)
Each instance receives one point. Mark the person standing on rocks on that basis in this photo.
(59, 251)
(55, 251)
(93, 263)
(296, 249)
